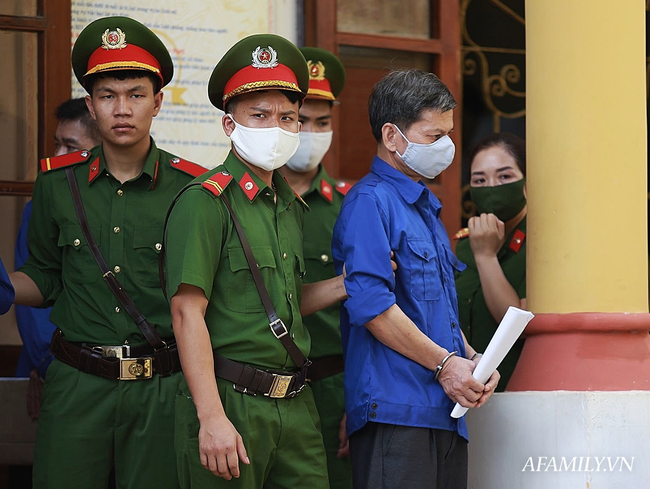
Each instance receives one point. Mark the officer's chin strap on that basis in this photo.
(275, 323)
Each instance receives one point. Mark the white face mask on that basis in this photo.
(428, 160)
(313, 146)
(267, 148)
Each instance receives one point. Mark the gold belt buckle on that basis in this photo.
(136, 368)
(280, 386)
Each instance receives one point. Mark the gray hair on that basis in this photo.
(401, 96)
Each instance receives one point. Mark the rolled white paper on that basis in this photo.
(510, 328)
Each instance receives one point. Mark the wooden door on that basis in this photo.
(370, 38)
(35, 52)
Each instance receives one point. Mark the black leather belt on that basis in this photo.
(253, 381)
(122, 362)
(324, 367)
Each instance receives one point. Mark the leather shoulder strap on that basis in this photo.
(275, 323)
(116, 288)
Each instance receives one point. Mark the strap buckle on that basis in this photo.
(136, 368)
(164, 347)
(122, 351)
(293, 394)
(243, 390)
(278, 328)
(280, 386)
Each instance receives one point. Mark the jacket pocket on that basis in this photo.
(425, 275)
(146, 250)
(242, 293)
(77, 262)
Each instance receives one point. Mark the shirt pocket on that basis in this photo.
(146, 252)
(425, 276)
(242, 294)
(77, 263)
(318, 261)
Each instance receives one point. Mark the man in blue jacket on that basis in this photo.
(406, 359)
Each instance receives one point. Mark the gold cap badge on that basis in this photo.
(114, 39)
(316, 70)
(265, 57)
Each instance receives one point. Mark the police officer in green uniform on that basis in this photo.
(238, 428)
(494, 245)
(108, 398)
(324, 195)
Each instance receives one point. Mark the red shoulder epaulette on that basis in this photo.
(187, 166)
(217, 182)
(517, 240)
(62, 161)
(343, 187)
(463, 233)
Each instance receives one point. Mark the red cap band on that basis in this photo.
(249, 79)
(320, 89)
(130, 57)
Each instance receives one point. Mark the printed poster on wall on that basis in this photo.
(197, 33)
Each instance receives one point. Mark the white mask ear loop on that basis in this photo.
(405, 139)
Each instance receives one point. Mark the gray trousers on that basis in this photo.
(386, 456)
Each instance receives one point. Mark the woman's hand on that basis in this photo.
(486, 235)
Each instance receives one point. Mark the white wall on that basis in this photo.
(513, 430)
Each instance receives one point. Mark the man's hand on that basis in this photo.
(492, 383)
(221, 447)
(486, 234)
(344, 443)
(459, 385)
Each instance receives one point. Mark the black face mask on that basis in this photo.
(504, 201)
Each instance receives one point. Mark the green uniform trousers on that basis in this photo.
(328, 394)
(88, 424)
(282, 438)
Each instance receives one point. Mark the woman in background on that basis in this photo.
(493, 246)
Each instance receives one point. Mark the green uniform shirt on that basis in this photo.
(202, 249)
(324, 198)
(127, 223)
(475, 318)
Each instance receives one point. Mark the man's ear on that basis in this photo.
(89, 105)
(228, 124)
(389, 136)
(157, 100)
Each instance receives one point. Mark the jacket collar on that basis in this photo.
(150, 168)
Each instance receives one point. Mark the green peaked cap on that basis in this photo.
(326, 73)
(120, 43)
(258, 62)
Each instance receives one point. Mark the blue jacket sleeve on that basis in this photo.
(362, 243)
(6, 290)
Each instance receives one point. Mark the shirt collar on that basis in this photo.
(150, 168)
(252, 185)
(322, 185)
(410, 191)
